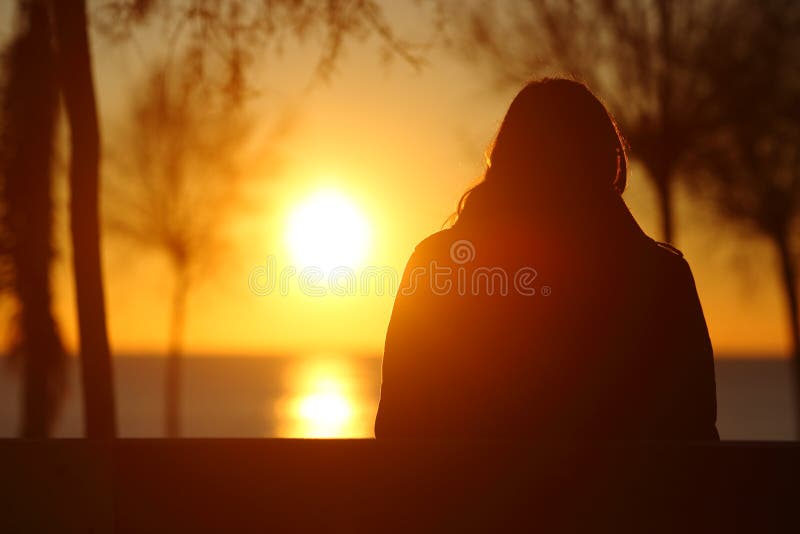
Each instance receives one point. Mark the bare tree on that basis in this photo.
(29, 111)
(641, 56)
(174, 180)
(224, 39)
(750, 164)
(177, 166)
(76, 82)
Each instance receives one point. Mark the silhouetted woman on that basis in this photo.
(545, 311)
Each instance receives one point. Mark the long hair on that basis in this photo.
(557, 145)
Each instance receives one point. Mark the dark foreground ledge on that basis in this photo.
(365, 485)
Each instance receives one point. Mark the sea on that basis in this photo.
(335, 396)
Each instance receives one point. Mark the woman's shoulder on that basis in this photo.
(437, 244)
(668, 248)
(666, 253)
(670, 262)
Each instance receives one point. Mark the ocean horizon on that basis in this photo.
(337, 396)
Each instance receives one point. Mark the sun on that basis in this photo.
(327, 230)
(325, 414)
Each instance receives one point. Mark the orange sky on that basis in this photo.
(403, 145)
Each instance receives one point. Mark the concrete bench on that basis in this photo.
(270, 485)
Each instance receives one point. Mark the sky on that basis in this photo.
(397, 146)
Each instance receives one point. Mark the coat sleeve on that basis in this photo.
(402, 402)
(694, 391)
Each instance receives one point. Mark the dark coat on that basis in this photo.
(601, 336)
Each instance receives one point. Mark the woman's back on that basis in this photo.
(499, 332)
(545, 311)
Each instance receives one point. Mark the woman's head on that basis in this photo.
(557, 144)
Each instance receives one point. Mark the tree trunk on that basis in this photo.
(77, 86)
(29, 118)
(43, 359)
(664, 188)
(663, 151)
(789, 278)
(172, 382)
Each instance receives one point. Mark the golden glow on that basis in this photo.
(328, 230)
(325, 414)
(386, 144)
(322, 402)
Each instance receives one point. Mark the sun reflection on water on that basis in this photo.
(322, 401)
